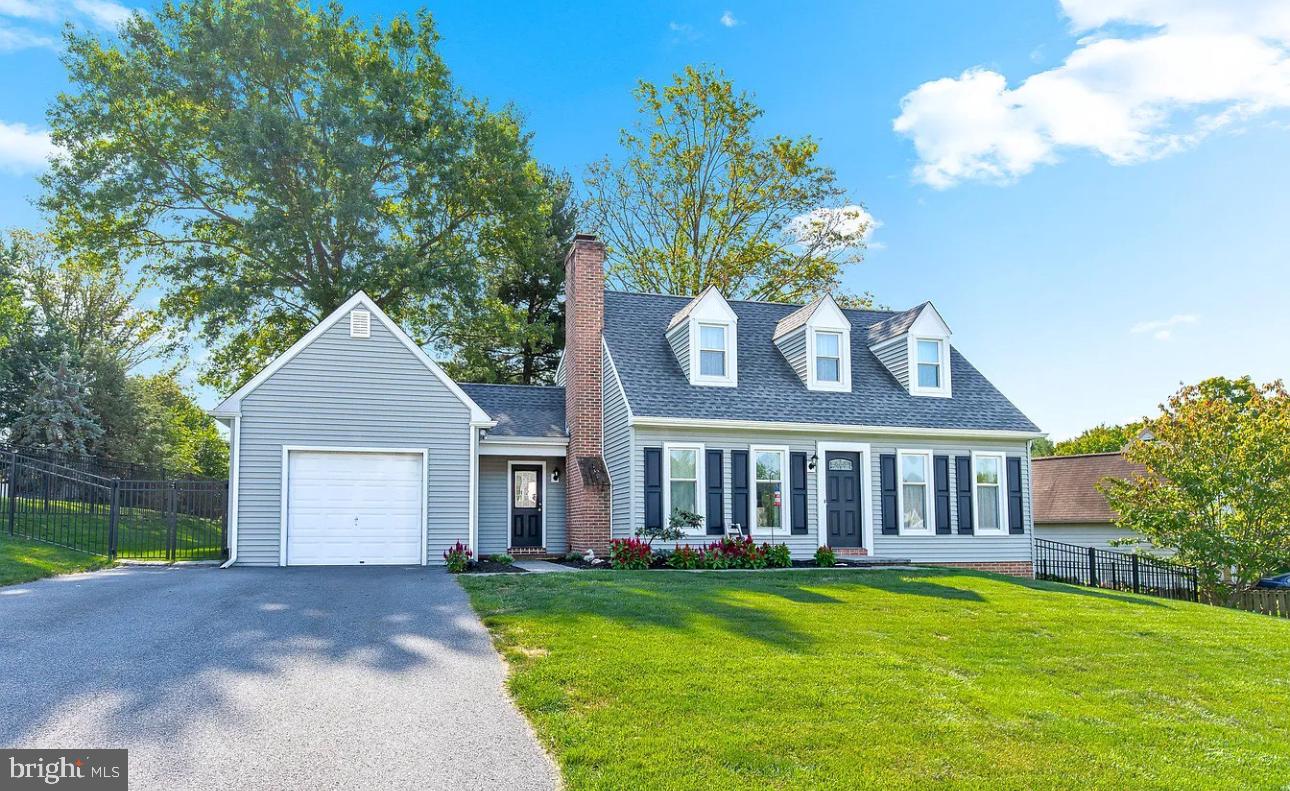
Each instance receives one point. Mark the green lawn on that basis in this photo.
(23, 561)
(142, 531)
(895, 679)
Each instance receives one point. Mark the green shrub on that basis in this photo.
(503, 558)
(824, 557)
(778, 556)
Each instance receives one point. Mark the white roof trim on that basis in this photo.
(233, 404)
(834, 428)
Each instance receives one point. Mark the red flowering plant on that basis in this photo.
(629, 553)
(686, 557)
(457, 557)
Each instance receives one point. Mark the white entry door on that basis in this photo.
(351, 508)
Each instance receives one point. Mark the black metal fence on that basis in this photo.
(1101, 568)
(142, 519)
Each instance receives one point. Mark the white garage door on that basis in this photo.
(353, 508)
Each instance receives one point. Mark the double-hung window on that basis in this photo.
(930, 376)
(712, 350)
(988, 487)
(683, 469)
(914, 491)
(770, 511)
(828, 357)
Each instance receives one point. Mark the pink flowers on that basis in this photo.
(457, 557)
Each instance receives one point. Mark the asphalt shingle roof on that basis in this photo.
(894, 325)
(521, 410)
(769, 390)
(1064, 488)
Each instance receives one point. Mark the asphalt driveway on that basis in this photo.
(346, 678)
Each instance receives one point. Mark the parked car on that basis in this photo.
(1278, 581)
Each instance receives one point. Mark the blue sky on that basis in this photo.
(1092, 192)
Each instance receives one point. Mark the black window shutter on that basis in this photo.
(963, 481)
(941, 476)
(887, 485)
(739, 487)
(715, 501)
(1016, 524)
(797, 487)
(653, 487)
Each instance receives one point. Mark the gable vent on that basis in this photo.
(360, 324)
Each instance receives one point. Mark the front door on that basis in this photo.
(526, 505)
(842, 497)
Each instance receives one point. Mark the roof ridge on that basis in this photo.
(510, 384)
(1079, 455)
(751, 301)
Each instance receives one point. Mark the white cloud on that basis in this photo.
(16, 38)
(728, 19)
(682, 32)
(104, 13)
(1148, 78)
(1163, 329)
(38, 20)
(24, 150)
(834, 228)
(26, 9)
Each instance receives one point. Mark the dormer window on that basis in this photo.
(712, 350)
(816, 342)
(828, 357)
(704, 336)
(929, 363)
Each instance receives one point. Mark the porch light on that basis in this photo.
(811, 464)
(555, 475)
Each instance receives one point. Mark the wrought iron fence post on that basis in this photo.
(1136, 587)
(172, 520)
(12, 490)
(114, 516)
(1092, 567)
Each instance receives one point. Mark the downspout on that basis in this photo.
(234, 452)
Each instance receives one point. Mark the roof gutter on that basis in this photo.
(833, 428)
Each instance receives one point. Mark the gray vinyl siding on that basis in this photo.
(1096, 534)
(895, 357)
(955, 547)
(801, 546)
(793, 347)
(494, 504)
(927, 549)
(679, 339)
(361, 392)
(617, 443)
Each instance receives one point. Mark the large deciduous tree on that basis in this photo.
(700, 199)
(1099, 439)
(269, 159)
(1217, 481)
(516, 331)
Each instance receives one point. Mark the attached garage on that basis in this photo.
(354, 507)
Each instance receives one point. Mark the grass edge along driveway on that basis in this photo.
(23, 561)
(900, 679)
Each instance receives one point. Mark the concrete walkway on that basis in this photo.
(283, 678)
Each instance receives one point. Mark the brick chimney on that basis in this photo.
(587, 482)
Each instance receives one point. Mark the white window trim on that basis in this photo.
(700, 477)
(785, 498)
(731, 379)
(1000, 494)
(929, 516)
(867, 482)
(944, 391)
(844, 363)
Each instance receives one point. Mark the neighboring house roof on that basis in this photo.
(521, 410)
(769, 390)
(1064, 488)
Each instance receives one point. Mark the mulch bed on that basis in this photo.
(660, 562)
(493, 567)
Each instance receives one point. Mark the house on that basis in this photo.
(1068, 506)
(811, 425)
